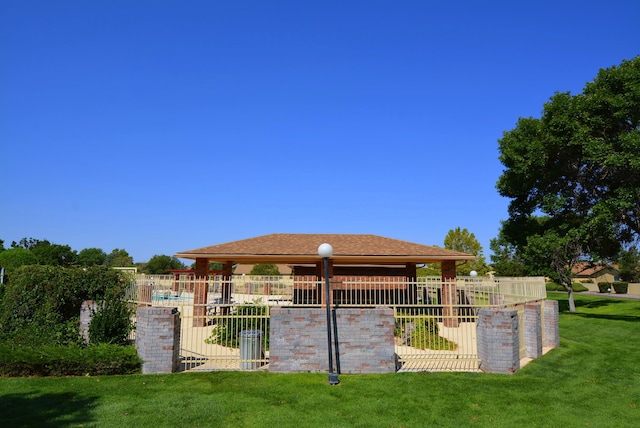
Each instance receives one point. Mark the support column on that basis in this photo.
(227, 273)
(532, 330)
(551, 329)
(412, 286)
(449, 294)
(200, 293)
(158, 339)
(498, 340)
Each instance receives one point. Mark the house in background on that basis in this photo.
(589, 273)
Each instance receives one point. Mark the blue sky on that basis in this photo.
(163, 126)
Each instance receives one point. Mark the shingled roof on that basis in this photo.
(303, 248)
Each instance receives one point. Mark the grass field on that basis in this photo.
(593, 379)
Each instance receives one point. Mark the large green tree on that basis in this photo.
(118, 258)
(464, 241)
(573, 175)
(91, 257)
(160, 264)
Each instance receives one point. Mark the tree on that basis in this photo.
(505, 259)
(462, 240)
(160, 264)
(15, 257)
(47, 253)
(629, 264)
(91, 257)
(573, 175)
(118, 258)
(265, 269)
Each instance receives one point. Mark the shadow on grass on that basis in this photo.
(46, 410)
(595, 303)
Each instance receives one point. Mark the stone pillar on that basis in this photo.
(298, 340)
(533, 330)
(449, 294)
(87, 309)
(551, 329)
(158, 339)
(498, 340)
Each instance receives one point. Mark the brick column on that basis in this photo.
(86, 314)
(449, 294)
(298, 340)
(158, 339)
(551, 329)
(533, 330)
(498, 340)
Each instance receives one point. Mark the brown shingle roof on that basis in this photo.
(303, 248)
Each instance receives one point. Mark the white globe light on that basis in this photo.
(473, 273)
(325, 250)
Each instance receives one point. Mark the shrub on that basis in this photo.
(577, 287)
(111, 323)
(247, 317)
(604, 287)
(621, 287)
(41, 304)
(68, 360)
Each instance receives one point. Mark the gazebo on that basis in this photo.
(355, 255)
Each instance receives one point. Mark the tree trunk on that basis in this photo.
(572, 303)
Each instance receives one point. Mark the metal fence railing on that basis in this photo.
(225, 321)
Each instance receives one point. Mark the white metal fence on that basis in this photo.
(225, 321)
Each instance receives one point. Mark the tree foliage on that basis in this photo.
(91, 257)
(265, 269)
(41, 304)
(629, 265)
(464, 241)
(160, 264)
(573, 175)
(118, 258)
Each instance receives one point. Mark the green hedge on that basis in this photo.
(41, 304)
(604, 287)
(103, 359)
(577, 287)
(621, 287)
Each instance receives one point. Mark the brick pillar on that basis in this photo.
(449, 294)
(551, 329)
(498, 340)
(298, 340)
(200, 294)
(86, 313)
(158, 339)
(533, 330)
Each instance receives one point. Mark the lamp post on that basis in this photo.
(326, 251)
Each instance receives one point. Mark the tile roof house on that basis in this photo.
(589, 272)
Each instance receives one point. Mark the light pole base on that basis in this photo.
(333, 379)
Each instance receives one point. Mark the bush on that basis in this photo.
(577, 287)
(41, 304)
(111, 323)
(95, 360)
(604, 287)
(621, 287)
(248, 317)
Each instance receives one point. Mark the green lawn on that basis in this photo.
(593, 379)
